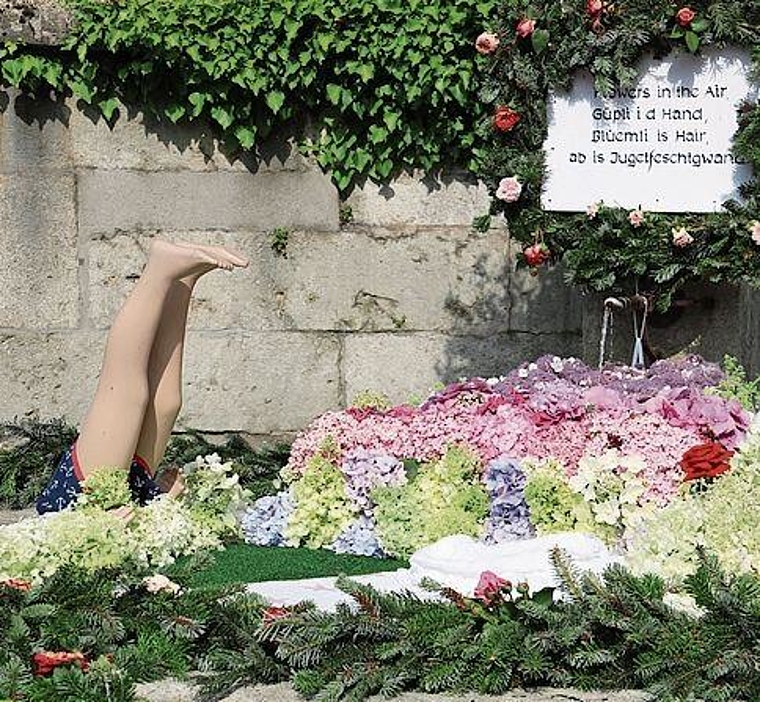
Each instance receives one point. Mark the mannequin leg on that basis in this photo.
(165, 374)
(111, 428)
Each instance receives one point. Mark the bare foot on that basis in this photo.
(224, 257)
(175, 261)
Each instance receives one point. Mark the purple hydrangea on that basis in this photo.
(365, 470)
(359, 539)
(509, 518)
(264, 522)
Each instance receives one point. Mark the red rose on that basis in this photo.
(272, 614)
(505, 118)
(536, 255)
(707, 460)
(525, 27)
(685, 16)
(17, 584)
(45, 662)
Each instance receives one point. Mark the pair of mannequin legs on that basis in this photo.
(139, 391)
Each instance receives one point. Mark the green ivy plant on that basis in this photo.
(602, 249)
(370, 88)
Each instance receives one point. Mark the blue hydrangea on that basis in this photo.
(359, 538)
(265, 520)
(509, 516)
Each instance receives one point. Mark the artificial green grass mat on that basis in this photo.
(243, 563)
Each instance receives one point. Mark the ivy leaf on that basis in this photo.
(81, 90)
(108, 107)
(222, 116)
(275, 100)
(175, 112)
(333, 93)
(540, 40)
(366, 71)
(246, 136)
(692, 41)
(197, 100)
(391, 120)
(14, 71)
(377, 134)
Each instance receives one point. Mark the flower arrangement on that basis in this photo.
(552, 446)
(92, 537)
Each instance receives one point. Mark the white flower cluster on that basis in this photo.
(162, 530)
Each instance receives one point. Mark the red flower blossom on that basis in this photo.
(17, 584)
(45, 662)
(685, 16)
(490, 587)
(594, 7)
(505, 118)
(272, 614)
(707, 460)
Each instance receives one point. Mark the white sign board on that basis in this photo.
(663, 144)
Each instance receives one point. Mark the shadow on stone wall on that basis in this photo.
(529, 315)
(199, 137)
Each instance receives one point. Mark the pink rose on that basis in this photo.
(681, 237)
(525, 27)
(685, 16)
(594, 7)
(754, 229)
(490, 586)
(592, 210)
(486, 43)
(509, 189)
(636, 217)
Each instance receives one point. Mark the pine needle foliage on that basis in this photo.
(603, 632)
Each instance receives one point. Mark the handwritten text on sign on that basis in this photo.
(663, 144)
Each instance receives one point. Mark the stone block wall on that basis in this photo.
(402, 296)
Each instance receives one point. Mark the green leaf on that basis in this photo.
(540, 40)
(222, 116)
(246, 136)
(175, 112)
(108, 107)
(699, 25)
(377, 134)
(81, 90)
(692, 41)
(275, 100)
(197, 100)
(333, 93)
(668, 273)
(391, 120)
(366, 72)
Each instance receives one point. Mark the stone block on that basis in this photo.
(33, 134)
(408, 365)
(542, 302)
(38, 250)
(135, 142)
(259, 382)
(35, 22)
(51, 373)
(132, 200)
(445, 279)
(420, 200)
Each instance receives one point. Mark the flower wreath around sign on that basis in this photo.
(534, 49)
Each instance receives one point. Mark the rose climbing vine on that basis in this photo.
(534, 48)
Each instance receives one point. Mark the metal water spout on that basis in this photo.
(637, 303)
